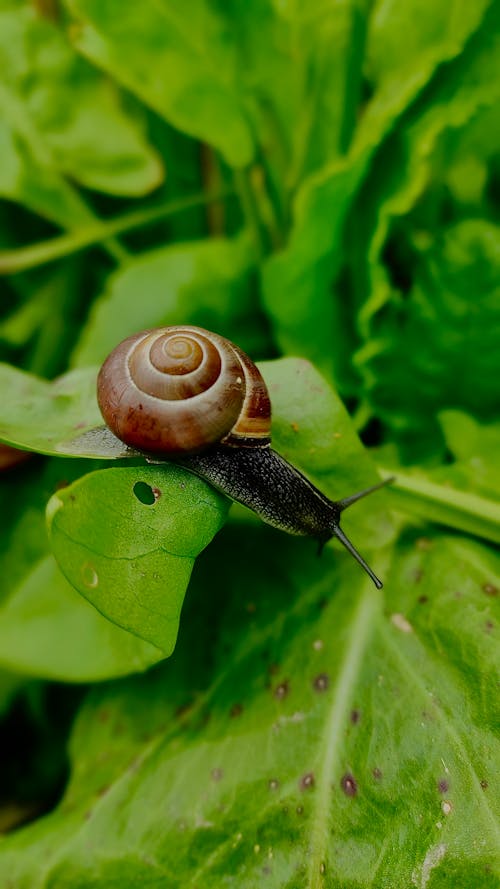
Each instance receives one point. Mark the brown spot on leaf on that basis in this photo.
(424, 544)
(355, 716)
(377, 774)
(349, 785)
(236, 710)
(484, 784)
(422, 600)
(273, 784)
(282, 690)
(217, 774)
(321, 682)
(490, 589)
(156, 493)
(443, 785)
(307, 781)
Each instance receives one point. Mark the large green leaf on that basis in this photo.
(401, 60)
(181, 64)
(372, 714)
(49, 126)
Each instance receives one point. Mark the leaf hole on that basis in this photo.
(145, 493)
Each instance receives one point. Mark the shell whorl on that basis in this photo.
(178, 390)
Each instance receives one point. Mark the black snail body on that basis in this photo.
(192, 396)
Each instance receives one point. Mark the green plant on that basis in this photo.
(314, 183)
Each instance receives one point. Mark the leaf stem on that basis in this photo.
(12, 261)
(448, 506)
(250, 209)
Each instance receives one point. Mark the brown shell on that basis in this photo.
(177, 390)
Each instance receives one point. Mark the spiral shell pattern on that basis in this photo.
(178, 390)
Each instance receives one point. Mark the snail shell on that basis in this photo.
(179, 390)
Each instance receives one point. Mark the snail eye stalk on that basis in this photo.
(339, 534)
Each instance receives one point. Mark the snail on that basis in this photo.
(194, 397)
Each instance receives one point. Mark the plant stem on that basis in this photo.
(250, 209)
(448, 506)
(12, 261)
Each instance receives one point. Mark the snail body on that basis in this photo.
(192, 396)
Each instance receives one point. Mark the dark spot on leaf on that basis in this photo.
(377, 774)
(103, 790)
(299, 810)
(307, 781)
(183, 709)
(273, 669)
(282, 690)
(217, 774)
(182, 486)
(422, 600)
(266, 870)
(236, 710)
(489, 626)
(321, 682)
(443, 785)
(457, 594)
(355, 716)
(144, 493)
(490, 589)
(349, 785)
(424, 544)
(273, 784)
(157, 493)
(484, 784)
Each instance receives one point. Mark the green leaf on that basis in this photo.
(447, 505)
(50, 124)
(127, 539)
(371, 713)
(182, 66)
(405, 47)
(47, 630)
(206, 283)
(460, 364)
(55, 418)
(475, 448)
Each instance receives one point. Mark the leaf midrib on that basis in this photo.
(360, 631)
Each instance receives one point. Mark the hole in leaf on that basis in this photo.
(144, 493)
